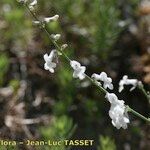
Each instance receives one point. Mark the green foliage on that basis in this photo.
(106, 143)
(8, 147)
(14, 84)
(136, 131)
(17, 27)
(91, 107)
(54, 26)
(61, 128)
(134, 2)
(101, 23)
(106, 29)
(69, 6)
(4, 65)
(15, 14)
(66, 91)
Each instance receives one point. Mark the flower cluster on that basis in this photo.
(78, 70)
(107, 81)
(117, 111)
(49, 64)
(126, 81)
(33, 4)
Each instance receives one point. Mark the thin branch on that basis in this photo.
(147, 95)
(137, 114)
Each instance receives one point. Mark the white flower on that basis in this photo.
(55, 37)
(64, 46)
(96, 76)
(107, 81)
(117, 111)
(22, 1)
(78, 70)
(123, 23)
(49, 19)
(33, 4)
(126, 81)
(36, 22)
(49, 65)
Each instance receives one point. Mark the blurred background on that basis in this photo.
(111, 36)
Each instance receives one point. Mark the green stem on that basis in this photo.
(137, 114)
(42, 25)
(141, 87)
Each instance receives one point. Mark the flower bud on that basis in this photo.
(64, 46)
(50, 19)
(55, 37)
